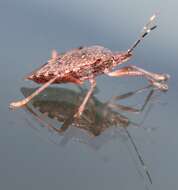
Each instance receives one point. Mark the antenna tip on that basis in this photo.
(152, 17)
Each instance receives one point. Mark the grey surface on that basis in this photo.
(28, 158)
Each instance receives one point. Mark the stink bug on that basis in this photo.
(86, 63)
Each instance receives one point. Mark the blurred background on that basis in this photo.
(29, 30)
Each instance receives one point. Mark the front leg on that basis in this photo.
(88, 95)
(111, 103)
(154, 78)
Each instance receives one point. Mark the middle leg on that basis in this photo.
(88, 95)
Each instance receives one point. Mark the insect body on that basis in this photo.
(78, 65)
(85, 63)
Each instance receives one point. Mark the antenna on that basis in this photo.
(146, 30)
(139, 156)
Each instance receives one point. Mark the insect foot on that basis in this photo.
(160, 85)
(159, 82)
(15, 105)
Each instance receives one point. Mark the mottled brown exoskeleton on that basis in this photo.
(85, 63)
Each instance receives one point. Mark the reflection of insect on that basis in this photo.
(61, 103)
(85, 63)
(99, 123)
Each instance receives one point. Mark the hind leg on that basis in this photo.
(21, 103)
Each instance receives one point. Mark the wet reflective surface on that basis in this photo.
(41, 147)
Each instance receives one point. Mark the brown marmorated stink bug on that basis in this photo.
(85, 63)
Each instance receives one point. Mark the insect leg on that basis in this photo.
(112, 104)
(130, 94)
(88, 95)
(26, 100)
(154, 78)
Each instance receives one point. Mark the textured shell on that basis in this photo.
(81, 63)
(85, 56)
